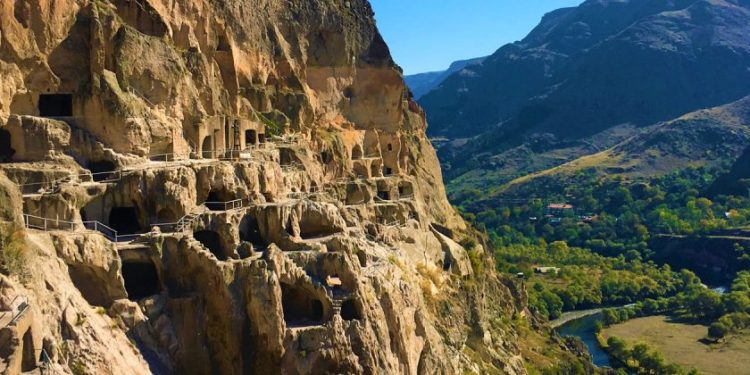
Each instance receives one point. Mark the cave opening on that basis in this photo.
(101, 169)
(207, 149)
(216, 200)
(312, 228)
(390, 147)
(387, 171)
(349, 310)
(357, 152)
(56, 105)
(6, 152)
(384, 195)
(300, 308)
(446, 263)
(141, 280)
(223, 44)
(166, 215)
(28, 359)
(373, 170)
(326, 157)
(212, 241)
(124, 220)
(251, 138)
(250, 232)
(261, 138)
(362, 258)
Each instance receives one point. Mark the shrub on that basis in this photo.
(12, 260)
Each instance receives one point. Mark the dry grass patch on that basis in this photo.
(682, 344)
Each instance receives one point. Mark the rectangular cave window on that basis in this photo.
(387, 171)
(6, 152)
(251, 138)
(384, 195)
(56, 105)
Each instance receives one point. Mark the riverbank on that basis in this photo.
(573, 315)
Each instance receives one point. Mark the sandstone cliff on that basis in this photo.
(229, 187)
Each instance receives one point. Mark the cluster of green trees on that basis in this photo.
(728, 313)
(642, 359)
(625, 213)
(587, 279)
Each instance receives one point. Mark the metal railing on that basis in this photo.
(47, 224)
(168, 157)
(225, 206)
(49, 187)
(18, 306)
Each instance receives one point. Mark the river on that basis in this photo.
(585, 329)
(582, 324)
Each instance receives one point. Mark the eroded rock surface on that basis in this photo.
(231, 187)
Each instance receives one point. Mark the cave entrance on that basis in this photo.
(387, 171)
(300, 308)
(124, 220)
(56, 105)
(6, 152)
(166, 215)
(250, 232)
(207, 149)
(261, 138)
(101, 169)
(357, 152)
(28, 360)
(384, 195)
(313, 227)
(326, 157)
(212, 241)
(362, 258)
(251, 138)
(349, 310)
(141, 280)
(223, 44)
(217, 200)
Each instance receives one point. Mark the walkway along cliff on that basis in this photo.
(229, 187)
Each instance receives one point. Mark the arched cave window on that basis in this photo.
(141, 280)
(28, 360)
(207, 149)
(212, 241)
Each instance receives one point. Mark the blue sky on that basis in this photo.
(427, 35)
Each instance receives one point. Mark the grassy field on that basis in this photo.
(681, 344)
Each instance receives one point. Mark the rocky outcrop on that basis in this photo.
(233, 187)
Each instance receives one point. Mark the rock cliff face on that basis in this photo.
(229, 187)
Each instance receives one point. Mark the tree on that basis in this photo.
(617, 347)
(717, 331)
